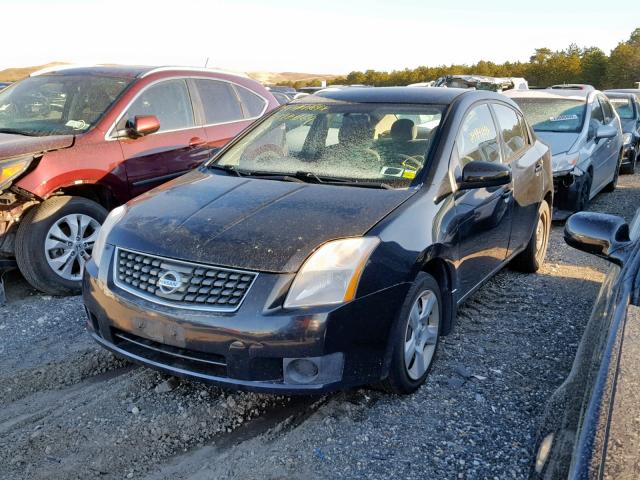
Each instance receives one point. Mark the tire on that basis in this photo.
(532, 257)
(43, 238)
(582, 201)
(611, 186)
(406, 378)
(629, 169)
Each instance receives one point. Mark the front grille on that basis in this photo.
(191, 360)
(181, 284)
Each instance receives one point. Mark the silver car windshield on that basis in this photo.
(553, 114)
(57, 104)
(341, 141)
(623, 106)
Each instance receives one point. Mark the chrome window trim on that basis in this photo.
(110, 131)
(167, 303)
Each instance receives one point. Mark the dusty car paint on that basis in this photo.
(462, 237)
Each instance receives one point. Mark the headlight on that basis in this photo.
(563, 162)
(626, 138)
(10, 169)
(113, 218)
(331, 274)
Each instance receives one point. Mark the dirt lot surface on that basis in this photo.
(69, 410)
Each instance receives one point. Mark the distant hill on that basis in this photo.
(279, 77)
(13, 74)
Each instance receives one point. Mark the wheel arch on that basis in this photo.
(97, 192)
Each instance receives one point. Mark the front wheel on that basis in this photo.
(54, 241)
(532, 257)
(416, 336)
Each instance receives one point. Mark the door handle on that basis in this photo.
(196, 142)
(538, 168)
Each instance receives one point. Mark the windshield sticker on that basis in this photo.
(77, 124)
(563, 118)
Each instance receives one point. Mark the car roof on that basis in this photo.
(124, 71)
(426, 95)
(610, 93)
(550, 93)
(635, 91)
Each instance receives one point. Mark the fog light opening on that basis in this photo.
(302, 370)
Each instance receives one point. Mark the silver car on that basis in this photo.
(585, 136)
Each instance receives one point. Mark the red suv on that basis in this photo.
(76, 142)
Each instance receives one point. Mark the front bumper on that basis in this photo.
(249, 349)
(566, 192)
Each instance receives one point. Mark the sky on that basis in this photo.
(319, 36)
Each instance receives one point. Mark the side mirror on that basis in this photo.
(142, 125)
(606, 131)
(478, 174)
(598, 233)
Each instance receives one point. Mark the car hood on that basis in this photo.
(559, 142)
(12, 145)
(254, 224)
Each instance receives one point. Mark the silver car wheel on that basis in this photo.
(69, 243)
(421, 335)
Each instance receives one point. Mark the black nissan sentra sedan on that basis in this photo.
(328, 245)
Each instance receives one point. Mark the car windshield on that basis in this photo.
(553, 114)
(358, 144)
(57, 104)
(623, 106)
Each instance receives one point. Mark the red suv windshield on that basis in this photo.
(57, 104)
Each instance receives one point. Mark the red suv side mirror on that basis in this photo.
(142, 125)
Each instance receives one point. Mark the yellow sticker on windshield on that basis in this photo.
(410, 174)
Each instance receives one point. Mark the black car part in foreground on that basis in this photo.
(591, 427)
(329, 245)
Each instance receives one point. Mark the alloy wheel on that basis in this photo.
(69, 244)
(421, 335)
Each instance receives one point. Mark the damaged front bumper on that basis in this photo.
(13, 205)
(567, 185)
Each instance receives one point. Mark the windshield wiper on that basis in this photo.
(340, 181)
(225, 168)
(18, 132)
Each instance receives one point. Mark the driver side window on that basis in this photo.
(478, 138)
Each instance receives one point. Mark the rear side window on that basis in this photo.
(219, 101)
(513, 134)
(169, 101)
(252, 104)
(478, 139)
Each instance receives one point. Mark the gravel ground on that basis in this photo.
(72, 411)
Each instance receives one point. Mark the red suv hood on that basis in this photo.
(12, 145)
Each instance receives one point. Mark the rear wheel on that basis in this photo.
(54, 241)
(532, 257)
(416, 336)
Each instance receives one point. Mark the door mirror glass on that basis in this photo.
(598, 233)
(606, 131)
(142, 125)
(479, 174)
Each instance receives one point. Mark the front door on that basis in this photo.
(483, 214)
(177, 147)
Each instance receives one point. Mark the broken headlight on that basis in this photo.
(626, 139)
(564, 163)
(12, 168)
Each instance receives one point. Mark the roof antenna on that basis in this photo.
(206, 62)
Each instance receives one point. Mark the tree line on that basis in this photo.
(619, 69)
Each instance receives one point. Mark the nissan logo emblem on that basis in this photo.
(169, 282)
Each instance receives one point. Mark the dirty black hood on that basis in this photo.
(261, 225)
(12, 145)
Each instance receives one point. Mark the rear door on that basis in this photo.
(225, 109)
(483, 214)
(527, 171)
(176, 148)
